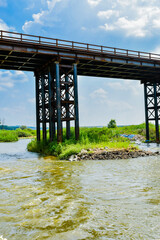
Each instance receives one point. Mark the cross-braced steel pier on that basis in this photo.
(57, 63)
(57, 100)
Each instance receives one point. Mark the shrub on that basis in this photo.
(23, 133)
(8, 136)
(112, 123)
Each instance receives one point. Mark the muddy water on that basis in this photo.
(42, 198)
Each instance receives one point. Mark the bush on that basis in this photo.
(22, 133)
(112, 124)
(8, 136)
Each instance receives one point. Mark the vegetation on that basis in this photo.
(90, 138)
(138, 129)
(13, 135)
(112, 124)
(8, 136)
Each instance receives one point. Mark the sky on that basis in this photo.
(130, 24)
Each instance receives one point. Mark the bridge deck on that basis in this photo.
(31, 53)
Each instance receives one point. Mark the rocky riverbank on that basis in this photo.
(108, 154)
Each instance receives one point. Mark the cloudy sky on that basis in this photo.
(131, 24)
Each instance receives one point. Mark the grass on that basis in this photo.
(90, 138)
(8, 136)
(14, 135)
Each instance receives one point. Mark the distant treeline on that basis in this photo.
(6, 127)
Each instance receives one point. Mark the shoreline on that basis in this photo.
(110, 154)
(96, 143)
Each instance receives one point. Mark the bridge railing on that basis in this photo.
(59, 43)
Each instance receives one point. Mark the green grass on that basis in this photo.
(13, 135)
(8, 136)
(90, 138)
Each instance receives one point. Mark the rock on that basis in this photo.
(138, 142)
(89, 149)
(83, 151)
(73, 158)
(105, 147)
(102, 154)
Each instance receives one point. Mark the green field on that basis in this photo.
(91, 138)
(14, 135)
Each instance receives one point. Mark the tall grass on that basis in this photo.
(8, 136)
(13, 135)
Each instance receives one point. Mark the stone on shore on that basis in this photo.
(108, 154)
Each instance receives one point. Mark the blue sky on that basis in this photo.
(130, 24)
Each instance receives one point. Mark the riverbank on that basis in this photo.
(14, 135)
(93, 140)
(110, 154)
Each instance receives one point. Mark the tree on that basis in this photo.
(23, 127)
(112, 123)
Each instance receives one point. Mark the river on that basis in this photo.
(44, 198)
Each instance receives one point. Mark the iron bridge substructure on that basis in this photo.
(152, 106)
(56, 64)
(57, 100)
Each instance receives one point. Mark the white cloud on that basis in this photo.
(44, 17)
(128, 85)
(51, 4)
(4, 26)
(107, 27)
(156, 50)
(134, 18)
(133, 27)
(83, 28)
(108, 14)
(8, 79)
(99, 94)
(94, 3)
(119, 105)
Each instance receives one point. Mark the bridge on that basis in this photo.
(56, 64)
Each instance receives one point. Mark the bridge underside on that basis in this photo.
(110, 67)
(56, 67)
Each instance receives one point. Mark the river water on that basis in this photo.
(43, 198)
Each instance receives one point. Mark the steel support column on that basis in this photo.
(43, 109)
(58, 104)
(76, 101)
(53, 97)
(37, 107)
(146, 112)
(152, 106)
(67, 108)
(51, 112)
(156, 112)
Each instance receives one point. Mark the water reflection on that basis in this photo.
(42, 198)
